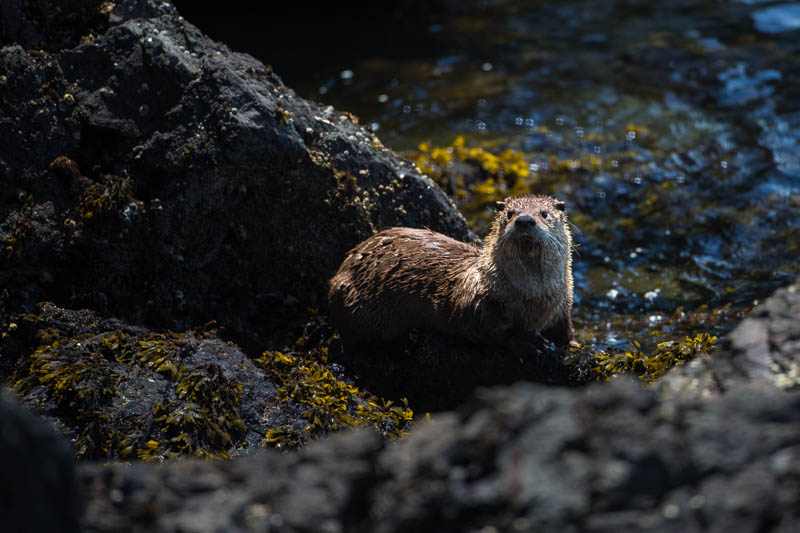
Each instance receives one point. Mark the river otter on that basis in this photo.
(514, 288)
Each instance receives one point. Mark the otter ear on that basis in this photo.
(561, 206)
(499, 205)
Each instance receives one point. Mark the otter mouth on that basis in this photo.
(528, 241)
(528, 235)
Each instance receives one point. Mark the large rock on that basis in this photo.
(153, 174)
(38, 490)
(763, 351)
(523, 458)
(121, 391)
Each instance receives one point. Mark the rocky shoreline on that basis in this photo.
(183, 209)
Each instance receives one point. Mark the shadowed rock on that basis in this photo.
(526, 458)
(38, 491)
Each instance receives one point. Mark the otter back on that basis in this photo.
(398, 279)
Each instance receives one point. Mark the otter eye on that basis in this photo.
(543, 213)
(510, 214)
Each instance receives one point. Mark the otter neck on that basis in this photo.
(535, 273)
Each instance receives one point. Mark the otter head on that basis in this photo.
(531, 233)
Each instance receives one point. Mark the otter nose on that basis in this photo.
(525, 221)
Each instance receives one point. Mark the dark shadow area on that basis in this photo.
(298, 40)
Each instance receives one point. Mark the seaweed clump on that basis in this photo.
(92, 376)
(475, 176)
(102, 199)
(649, 365)
(326, 402)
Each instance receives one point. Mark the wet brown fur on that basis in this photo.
(518, 284)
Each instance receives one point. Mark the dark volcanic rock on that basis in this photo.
(765, 347)
(153, 174)
(120, 391)
(524, 458)
(38, 490)
(762, 351)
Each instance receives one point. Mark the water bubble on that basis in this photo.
(631, 135)
(480, 126)
(486, 67)
(560, 120)
(651, 295)
(614, 163)
(406, 109)
(579, 132)
(323, 90)
(534, 167)
(612, 294)
(529, 123)
(383, 98)
(346, 74)
(680, 179)
(596, 150)
(637, 180)
(519, 121)
(639, 250)
(667, 232)
(697, 501)
(671, 511)
(419, 108)
(724, 164)
(601, 194)
(374, 126)
(482, 103)
(606, 259)
(633, 255)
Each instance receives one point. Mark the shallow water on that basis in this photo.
(672, 131)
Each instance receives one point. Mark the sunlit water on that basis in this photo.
(679, 123)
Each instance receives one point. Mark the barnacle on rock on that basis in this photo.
(101, 199)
